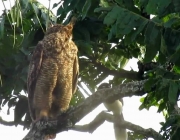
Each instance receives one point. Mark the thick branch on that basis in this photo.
(68, 119)
(92, 126)
(103, 116)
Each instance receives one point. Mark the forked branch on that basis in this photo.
(103, 116)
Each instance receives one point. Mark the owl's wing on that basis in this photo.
(34, 69)
(75, 74)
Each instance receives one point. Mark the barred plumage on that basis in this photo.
(53, 73)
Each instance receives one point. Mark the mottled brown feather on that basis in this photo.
(75, 75)
(53, 73)
(34, 68)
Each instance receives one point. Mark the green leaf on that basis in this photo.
(176, 5)
(66, 3)
(150, 53)
(149, 84)
(163, 47)
(175, 58)
(62, 10)
(171, 38)
(2, 20)
(55, 5)
(85, 9)
(142, 99)
(123, 62)
(104, 3)
(126, 22)
(162, 5)
(142, 106)
(159, 6)
(85, 47)
(151, 7)
(173, 92)
(111, 17)
(24, 3)
(131, 6)
(35, 8)
(59, 11)
(101, 9)
(120, 2)
(139, 29)
(176, 69)
(161, 107)
(112, 32)
(153, 41)
(171, 21)
(149, 31)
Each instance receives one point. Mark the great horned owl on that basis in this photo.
(53, 73)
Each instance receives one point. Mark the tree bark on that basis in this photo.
(67, 120)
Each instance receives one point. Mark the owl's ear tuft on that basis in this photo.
(73, 20)
(50, 25)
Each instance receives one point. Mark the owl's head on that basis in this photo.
(61, 28)
(54, 29)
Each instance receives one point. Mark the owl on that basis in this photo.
(53, 73)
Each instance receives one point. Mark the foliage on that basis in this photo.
(108, 34)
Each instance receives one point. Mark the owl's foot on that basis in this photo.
(63, 110)
(50, 137)
(41, 119)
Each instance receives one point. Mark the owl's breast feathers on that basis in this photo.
(56, 49)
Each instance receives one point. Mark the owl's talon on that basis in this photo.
(50, 136)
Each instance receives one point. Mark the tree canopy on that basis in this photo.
(108, 34)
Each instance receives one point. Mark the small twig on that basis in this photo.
(92, 126)
(10, 123)
(48, 19)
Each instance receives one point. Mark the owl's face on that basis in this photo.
(60, 28)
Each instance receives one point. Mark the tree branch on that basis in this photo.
(150, 133)
(92, 126)
(66, 121)
(103, 116)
